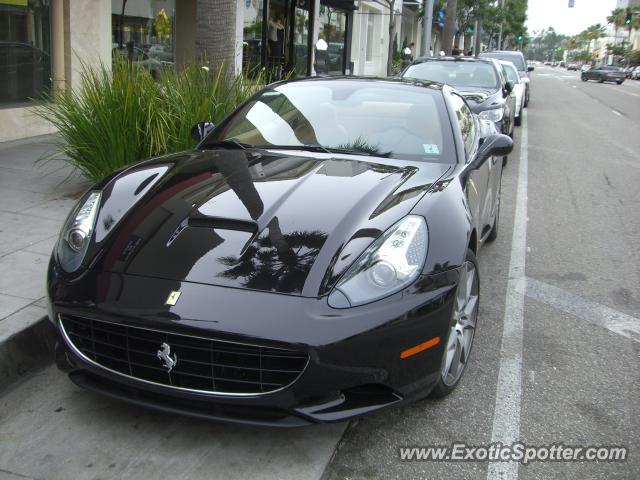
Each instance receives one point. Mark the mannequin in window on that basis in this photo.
(276, 37)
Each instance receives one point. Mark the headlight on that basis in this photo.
(76, 233)
(390, 263)
(494, 115)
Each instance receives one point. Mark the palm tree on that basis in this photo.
(593, 33)
(275, 261)
(216, 33)
(635, 21)
(617, 19)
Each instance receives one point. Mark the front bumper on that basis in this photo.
(354, 362)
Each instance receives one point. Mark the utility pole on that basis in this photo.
(427, 23)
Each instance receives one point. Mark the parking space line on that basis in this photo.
(506, 416)
(592, 312)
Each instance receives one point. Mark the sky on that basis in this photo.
(565, 20)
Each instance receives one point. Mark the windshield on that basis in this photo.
(350, 116)
(457, 74)
(516, 58)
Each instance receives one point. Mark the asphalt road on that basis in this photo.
(556, 358)
(573, 328)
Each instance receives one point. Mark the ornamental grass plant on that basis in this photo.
(119, 116)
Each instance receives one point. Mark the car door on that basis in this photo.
(480, 184)
(510, 97)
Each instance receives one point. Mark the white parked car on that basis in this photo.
(518, 90)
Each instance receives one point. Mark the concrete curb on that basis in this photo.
(24, 350)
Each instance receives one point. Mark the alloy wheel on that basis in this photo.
(463, 325)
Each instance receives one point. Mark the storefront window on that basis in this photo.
(25, 51)
(252, 36)
(333, 29)
(301, 39)
(144, 33)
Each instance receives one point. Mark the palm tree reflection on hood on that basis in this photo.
(275, 261)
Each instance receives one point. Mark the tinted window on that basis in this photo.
(516, 58)
(380, 118)
(457, 74)
(466, 122)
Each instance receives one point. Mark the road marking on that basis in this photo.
(592, 312)
(615, 112)
(506, 416)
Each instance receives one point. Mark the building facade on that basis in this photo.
(44, 44)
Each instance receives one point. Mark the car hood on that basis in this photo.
(269, 221)
(480, 99)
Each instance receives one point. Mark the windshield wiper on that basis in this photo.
(313, 147)
(320, 148)
(229, 142)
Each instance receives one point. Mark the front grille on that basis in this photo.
(206, 365)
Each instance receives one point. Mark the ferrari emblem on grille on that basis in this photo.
(173, 297)
(164, 354)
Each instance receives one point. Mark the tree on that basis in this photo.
(391, 5)
(617, 19)
(449, 26)
(635, 21)
(216, 33)
(468, 12)
(515, 16)
(592, 34)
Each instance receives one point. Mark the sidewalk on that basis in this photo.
(35, 198)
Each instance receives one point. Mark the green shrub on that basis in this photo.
(122, 115)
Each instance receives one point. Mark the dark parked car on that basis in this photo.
(604, 73)
(24, 72)
(518, 60)
(482, 82)
(312, 259)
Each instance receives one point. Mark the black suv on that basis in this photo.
(482, 82)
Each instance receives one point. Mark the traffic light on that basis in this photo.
(627, 20)
(520, 38)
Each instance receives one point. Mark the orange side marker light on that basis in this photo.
(419, 348)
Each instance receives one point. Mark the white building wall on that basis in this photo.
(370, 39)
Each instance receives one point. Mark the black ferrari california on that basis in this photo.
(311, 260)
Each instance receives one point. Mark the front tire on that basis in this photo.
(583, 78)
(461, 329)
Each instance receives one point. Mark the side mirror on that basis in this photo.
(496, 145)
(530, 68)
(508, 87)
(201, 130)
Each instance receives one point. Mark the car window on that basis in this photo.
(379, 118)
(512, 74)
(466, 122)
(457, 74)
(516, 58)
